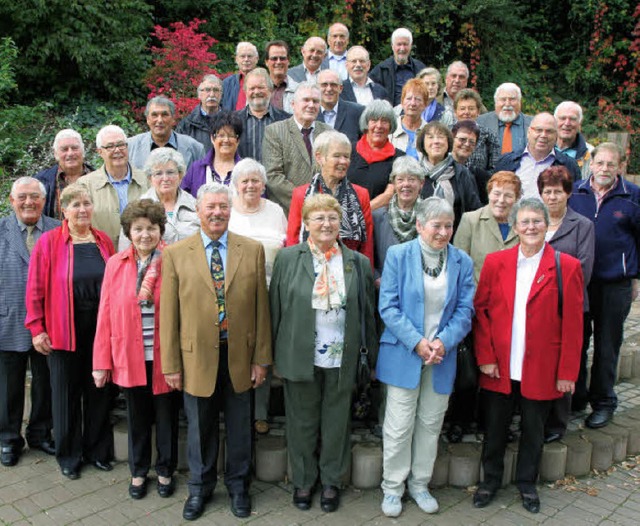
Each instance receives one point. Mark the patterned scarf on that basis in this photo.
(352, 225)
(328, 293)
(440, 177)
(148, 274)
(402, 222)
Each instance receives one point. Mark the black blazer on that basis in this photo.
(347, 119)
(348, 94)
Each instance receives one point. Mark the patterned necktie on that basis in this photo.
(507, 139)
(30, 242)
(306, 137)
(217, 273)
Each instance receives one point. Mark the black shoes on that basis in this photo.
(71, 473)
(531, 502)
(482, 498)
(138, 492)
(329, 499)
(102, 466)
(552, 437)
(9, 456)
(599, 418)
(240, 504)
(47, 445)
(194, 506)
(455, 434)
(302, 498)
(166, 490)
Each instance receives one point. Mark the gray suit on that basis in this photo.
(298, 74)
(519, 128)
(15, 343)
(140, 148)
(286, 159)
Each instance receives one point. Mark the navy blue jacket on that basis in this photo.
(385, 74)
(511, 162)
(48, 178)
(230, 90)
(347, 120)
(377, 90)
(617, 225)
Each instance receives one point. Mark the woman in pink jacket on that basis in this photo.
(127, 346)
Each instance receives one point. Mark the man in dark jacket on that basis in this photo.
(233, 95)
(568, 115)
(358, 87)
(613, 204)
(394, 72)
(196, 124)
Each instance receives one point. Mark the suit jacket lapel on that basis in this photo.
(200, 261)
(567, 226)
(508, 275)
(340, 116)
(296, 137)
(415, 267)
(15, 239)
(545, 273)
(453, 269)
(234, 255)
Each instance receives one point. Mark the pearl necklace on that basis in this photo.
(551, 223)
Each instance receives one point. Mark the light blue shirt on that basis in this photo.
(330, 116)
(338, 63)
(122, 187)
(529, 171)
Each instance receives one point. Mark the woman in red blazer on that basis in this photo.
(332, 152)
(127, 346)
(527, 346)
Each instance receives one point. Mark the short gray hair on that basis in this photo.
(508, 86)
(259, 72)
(433, 207)
(247, 166)
(307, 84)
(610, 147)
(67, 133)
(108, 129)
(326, 139)
(212, 188)
(407, 165)
(378, 109)
(160, 101)
(247, 44)
(436, 73)
(27, 180)
(336, 24)
(401, 32)
(164, 155)
(460, 64)
(529, 203)
(569, 104)
(355, 48)
(210, 78)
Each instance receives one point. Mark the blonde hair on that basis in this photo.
(317, 202)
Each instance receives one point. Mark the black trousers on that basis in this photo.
(498, 409)
(81, 425)
(143, 410)
(13, 371)
(203, 434)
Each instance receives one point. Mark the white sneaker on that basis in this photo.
(391, 505)
(425, 501)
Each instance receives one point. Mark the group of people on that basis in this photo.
(259, 238)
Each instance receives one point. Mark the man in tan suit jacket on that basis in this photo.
(284, 152)
(216, 354)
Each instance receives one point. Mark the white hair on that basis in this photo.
(213, 188)
(240, 45)
(401, 32)
(108, 129)
(307, 84)
(507, 86)
(67, 133)
(247, 166)
(27, 180)
(566, 105)
(458, 63)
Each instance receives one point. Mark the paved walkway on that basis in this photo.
(34, 492)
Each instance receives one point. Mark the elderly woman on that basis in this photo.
(332, 151)
(373, 157)
(445, 177)
(413, 103)
(465, 137)
(321, 293)
(256, 217)
(396, 223)
(63, 291)
(426, 303)
(432, 80)
(127, 346)
(165, 169)
(466, 106)
(225, 128)
(527, 345)
(573, 234)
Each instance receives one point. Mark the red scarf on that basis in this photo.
(374, 156)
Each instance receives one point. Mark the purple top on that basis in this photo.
(197, 174)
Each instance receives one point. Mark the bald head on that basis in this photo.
(338, 38)
(313, 53)
(541, 136)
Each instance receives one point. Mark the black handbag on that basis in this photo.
(466, 366)
(362, 399)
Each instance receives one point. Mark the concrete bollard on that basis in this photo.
(625, 364)
(464, 465)
(554, 461)
(121, 441)
(366, 465)
(620, 437)
(440, 475)
(602, 454)
(579, 453)
(271, 459)
(513, 447)
(636, 363)
(633, 426)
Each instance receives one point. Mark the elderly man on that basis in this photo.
(538, 155)
(233, 93)
(196, 124)
(287, 150)
(359, 87)
(68, 151)
(456, 79)
(338, 40)
(18, 234)
(313, 53)
(613, 204)
(394, 72)
(568, 114)
(115, 183)
(215, 340)
(276, 54)
(342, 116)
(257, 114)
(507, 122)
(160, 113)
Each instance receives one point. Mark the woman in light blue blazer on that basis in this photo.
(426, 303)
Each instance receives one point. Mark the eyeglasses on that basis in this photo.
(524, 223)
(224, 136)
(318, 220)
(278, 59)
(34, 197)
(211, 90)
(329, 85)
(245, 57)
(463, 140)
(169, 174)
(112, 147)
